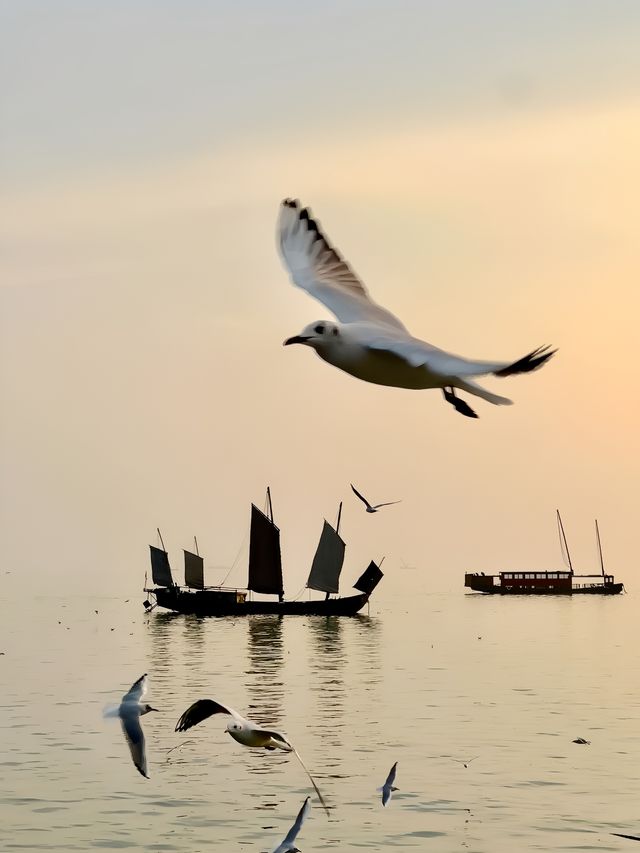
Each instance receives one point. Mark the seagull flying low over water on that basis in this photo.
(388, 786)
(465, 761)
(287, 846)
(581, 740)
(244, 731)
(129, 711)
(369, 507)
(369, 342)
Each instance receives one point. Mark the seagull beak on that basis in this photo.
(296, 339)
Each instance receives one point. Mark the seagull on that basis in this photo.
(388, 786)
(465, 761)
(244, 731)
(369, 507)
(130, 710)
(369, 342)
(581, 740)
(287, 846)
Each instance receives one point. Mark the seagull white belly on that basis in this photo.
(383, 368)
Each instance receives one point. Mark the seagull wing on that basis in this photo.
(132, 729)
(295, 829)
(389, 503)
(391, 778)
(419, 353)
(311, 779)
(315, 266)
(137, 690)
(362, 498)
(201, 710)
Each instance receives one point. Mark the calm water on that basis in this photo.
(423, 680)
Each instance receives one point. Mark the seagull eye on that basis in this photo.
(319, 330)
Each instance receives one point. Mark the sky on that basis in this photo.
(475, 163)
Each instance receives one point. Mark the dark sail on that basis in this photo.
(160, 568)
(327, 563)
(369, 579)
(265, 562)
(193, 570)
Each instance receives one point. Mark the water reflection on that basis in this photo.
(264, 677)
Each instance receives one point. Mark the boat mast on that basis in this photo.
(599, 548)
(339, 516)
(269, 504)
(195, 542)
(161, 539)
(563, 541)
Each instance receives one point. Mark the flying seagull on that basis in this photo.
(581, 740)
(369, 342)
(129, 711)
(369, 507)
(465, 761)
(244, 731)
(388, 786)
(287, 846)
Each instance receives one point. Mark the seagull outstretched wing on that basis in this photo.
(201, 710)
(287, 844)
(315, 266)
(130, 719)
(137, 690)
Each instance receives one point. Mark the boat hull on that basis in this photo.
(213, 603)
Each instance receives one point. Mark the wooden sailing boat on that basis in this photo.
(264, 578)
(547, 583)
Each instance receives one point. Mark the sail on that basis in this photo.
(160, 568)
(369, 579)
(327, 563)
(265, 562)
(193, 570)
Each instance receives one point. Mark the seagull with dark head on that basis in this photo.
(368, 341)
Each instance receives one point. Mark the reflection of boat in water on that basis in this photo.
(547, 583)
(265, 578)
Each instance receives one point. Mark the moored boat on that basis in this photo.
(264, 578)
(564, 582)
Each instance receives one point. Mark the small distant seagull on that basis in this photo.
(632, 837)
(130, 710)
(581, 740)
(368, 341)
(388, 786)
(465, 761)
(243, 731)
(369, 507)
(287, 846)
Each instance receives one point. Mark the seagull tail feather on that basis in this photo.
(472, 387)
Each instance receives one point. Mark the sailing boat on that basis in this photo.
(264, 577)
(547, 583)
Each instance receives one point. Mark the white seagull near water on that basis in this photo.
(287, 846)
(369, 342)
(129, 711)
(244, 731)
(388, 787)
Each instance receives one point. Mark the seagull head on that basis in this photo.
(234, 726)
(317, 335)
(146, 709)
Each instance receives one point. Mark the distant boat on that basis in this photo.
(265, 578)
(547, 583)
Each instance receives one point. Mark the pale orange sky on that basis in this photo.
(143, 381)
